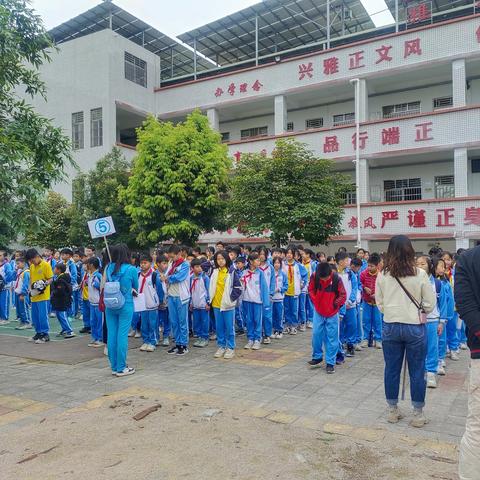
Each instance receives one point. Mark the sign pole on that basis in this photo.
(108, 249)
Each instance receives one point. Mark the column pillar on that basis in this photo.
(213, 119)
(460, 168)
(280, 115)
(363, 90)
(364, 181)
(459, 83)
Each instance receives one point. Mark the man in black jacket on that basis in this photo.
(467, 299)
(61, 299)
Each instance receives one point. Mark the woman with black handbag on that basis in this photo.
(404, 296)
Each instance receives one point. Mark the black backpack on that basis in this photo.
(2, 283)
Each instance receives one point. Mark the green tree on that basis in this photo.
(179, 181)
(292, 193)
(53, 210)
(33, 153)
(96, 194)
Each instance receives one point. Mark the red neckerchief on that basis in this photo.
(194, 283)
(175, 264)
(247, 277)
(290, 271)
(144, 279)
(18, 278)
(85, 278)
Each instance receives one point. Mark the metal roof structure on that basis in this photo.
(282, 25)
(176, 59)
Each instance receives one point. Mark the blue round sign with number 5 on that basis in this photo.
(102, 227)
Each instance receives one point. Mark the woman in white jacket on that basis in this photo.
(404, 295)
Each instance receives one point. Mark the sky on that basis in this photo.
(171, 18)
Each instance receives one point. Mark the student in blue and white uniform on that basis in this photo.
(21, 290)
(200, 303)
(310, 264)
(66, 255)
(278, 287)
(267, 270)
(94, 279)
(163, 320)
(7, 274)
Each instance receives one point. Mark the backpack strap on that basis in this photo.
(154, 278)
(335, 282)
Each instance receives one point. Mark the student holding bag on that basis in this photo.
(404, 295)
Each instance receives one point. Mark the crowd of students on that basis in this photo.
(223, 294)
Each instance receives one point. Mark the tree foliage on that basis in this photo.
(179, 181)
(96, 194)
(292, 193)
(33, 153)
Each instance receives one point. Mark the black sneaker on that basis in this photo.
(85, 330)
(61, 334)
(182, 350)
(239, 332)
(173, 350)
(315, 363)
(340, 359)
(330, 369)
(43, 338)
(35, 337)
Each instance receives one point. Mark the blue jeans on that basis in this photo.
(23, 309)
(348, 326)
(40, 316)
(372, 321)
(164, 322)
(401, 339)
(302, 314)
(325, 332)
(118, 325)
(253, 317)
(431, 361)
(62, 318)
(201, 321)
(291, 310)
(277, 316)
(96, 323)
(178, 313)
(86, 313)
(267, 320)
(453, 338)
(225, 330)
(149, 322)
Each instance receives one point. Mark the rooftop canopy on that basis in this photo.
(176, 59)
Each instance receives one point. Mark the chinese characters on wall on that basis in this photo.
(234, 89)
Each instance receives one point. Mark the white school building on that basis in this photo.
(284, 68)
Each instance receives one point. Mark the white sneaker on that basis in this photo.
(150, 348)
(463, 346)
(166, 342)
(309, 324)
(249, 345)
(358, 347)
(419, 419)
(442, 363)
(441, 370)
(378, 344)
(293, 331)
(229, 353)
(131, 333)
(280, 335)
(267, 341)
(394, 415)
(454, 355)
(143, 348)
(286, 330)
(275, 335)
(105, 350)
(126, 371)
(213, 336)
(4, 322)
(24, 326)
(302, 327)
(431, 380)
(364, 344)
(219, 353)
(97, 344)
(256, 345)
(138, 334)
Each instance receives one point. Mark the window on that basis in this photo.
(445, 186)
(96, 128)
(135, 69)
(77, 130)
(225, 136)
(343, 119)
(442, 102)
(475, 165)
(350, 198)
(290, 127)
(406, 189)
(401, 109)
(253, 132)
(314, 123)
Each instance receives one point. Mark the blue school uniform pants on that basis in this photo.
(309, 310)
(4, 307)
(290, 304)
(96, 323)
(164, 322)
(149, 325)
(201, 322)
(431, 361)
(302, 314)
(462, 335)
(178, 313)
(225, 329)
(360, 333)
(86, 313)
(453, 338)
(77, 299)
(239, 321)
(136, 319)
(40, 316)
(118, 326)
(277, 316)
(62, 318)
(267, 319)
(23, 310)
(442, 344)
(372, 321)
(325, 336)
(253, 317)
(348, 326)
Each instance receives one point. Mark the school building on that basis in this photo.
(291, 68)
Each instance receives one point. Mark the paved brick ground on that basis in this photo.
(273, 382)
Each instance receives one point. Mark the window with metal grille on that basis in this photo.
(445, 186)
(77, 130)
(442, 102)
(350, 198)
(135, 69)
(96, 127)
(314, 123)
(343, 119)
(290, 127)
(253, 132)
(401, 109)
(225, 136)
(404, 189)
(475, 165)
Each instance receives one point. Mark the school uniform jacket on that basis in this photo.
(94, 280)
(255, 287)
(149, 285)
(22, 282)
(278, 285)
(199, 287)
(181, 275)
(232, 291)
(300, 276)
